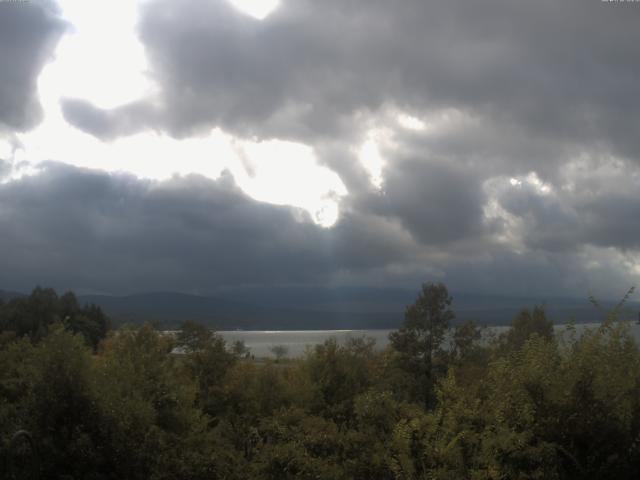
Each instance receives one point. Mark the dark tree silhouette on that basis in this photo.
(421, 336)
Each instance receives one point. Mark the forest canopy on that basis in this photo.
(123, 404)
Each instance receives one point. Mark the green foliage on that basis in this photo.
(426, 322)
(46, 389)
(125, 413)
(530, 406)
(524, 325)
(420, 339)
(150, 423)
(207, 361)
(280, 351)
(32, 316)
(194, 337)
(240, 350)
(338, 373)
(466, 338)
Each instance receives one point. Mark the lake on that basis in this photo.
(260, 342)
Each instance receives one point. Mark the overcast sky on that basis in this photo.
(198, 144)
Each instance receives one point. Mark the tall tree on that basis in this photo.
(465, 340)
(524, 325)
(33, 315)
(421, 336)
(207, 360)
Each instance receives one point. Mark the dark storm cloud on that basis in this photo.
(596, 211)
(504, 88)
(28, 33)
(437, 201)
(89, 230)
(71, 227)
(549, 224)
(613, 221)
(115, 232)
(529, 87)
(560, 69)
(554, 274)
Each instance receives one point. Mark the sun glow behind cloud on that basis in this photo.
(410, 122)
(372, 161)
(278, 171)
(101, 60)
(259, 9)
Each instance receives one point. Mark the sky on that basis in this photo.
(202, 145)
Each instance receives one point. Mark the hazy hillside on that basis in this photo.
(328, 308)
(305, 308)
(5, 295)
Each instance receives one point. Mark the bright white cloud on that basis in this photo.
(6, 149)
(370, 156)
(410, 122)
(288, 173)
(512, 231)
(372, 161)
(541, 187)
(259, 9)
(531, 179)
(102, 61)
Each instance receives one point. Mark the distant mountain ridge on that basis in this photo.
(303, 308)
(321, 308)
(7, 295)
(170, 308)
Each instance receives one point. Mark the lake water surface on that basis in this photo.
(260, 342)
